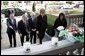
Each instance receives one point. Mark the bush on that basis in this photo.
(50, 31)
(76, 11)
(51, 19)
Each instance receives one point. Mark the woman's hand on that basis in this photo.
(11, 27)
(33, 29)
(46, 29)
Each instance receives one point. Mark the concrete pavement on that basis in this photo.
(5, 40)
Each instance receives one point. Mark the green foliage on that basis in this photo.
(51, 19)
(33, 7)
(76, 11)
(5, 2)
(50, 30)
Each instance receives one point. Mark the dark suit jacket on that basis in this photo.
(22, 28)
(32, 24)
(41, 23)
(59, 22)
(9, 23)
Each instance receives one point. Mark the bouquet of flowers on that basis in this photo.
(78, 35)
(62, 33)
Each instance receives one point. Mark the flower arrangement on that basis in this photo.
(62, 33)
(76, 32)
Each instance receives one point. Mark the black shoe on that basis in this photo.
(34, 42)
(40, 42)
(14, 46)
(11, 45)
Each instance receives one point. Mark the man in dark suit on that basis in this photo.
(32, 26)
(41, 25)
(23, 29)
(11, 29)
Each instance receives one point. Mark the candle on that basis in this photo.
(54, 40)
(27, 46)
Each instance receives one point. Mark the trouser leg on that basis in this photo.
(34, 37)
(31, 36)
(10, 39)
(27, 37)
(22, 39)
(14, 38)
(41, 36)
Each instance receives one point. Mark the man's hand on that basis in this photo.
(33, 29)
(46, 29)
(37, 32)
(11, 27)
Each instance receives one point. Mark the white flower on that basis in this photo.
(60, 28)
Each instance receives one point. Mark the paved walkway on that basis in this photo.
(5, 40)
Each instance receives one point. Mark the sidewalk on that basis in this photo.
(5, 40)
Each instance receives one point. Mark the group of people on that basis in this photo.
(28, 27)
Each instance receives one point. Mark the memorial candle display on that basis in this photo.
(54, 40)
(27, 46)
